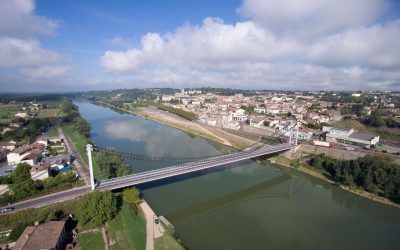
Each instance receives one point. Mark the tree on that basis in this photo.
(21, 173)
(113, 164)
(96, 208)
(67, 107)
(131, 196)
(83, 127)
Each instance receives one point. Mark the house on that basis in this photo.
(350, 136)
(256, 122)
(238, 114)
(50, 235)
(260, 110)
(24, 154)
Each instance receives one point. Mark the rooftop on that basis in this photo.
(44, 236)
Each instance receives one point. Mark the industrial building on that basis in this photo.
(350, 137)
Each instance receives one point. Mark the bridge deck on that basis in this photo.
(152, 175)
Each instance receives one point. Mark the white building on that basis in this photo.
(349, 136)
(259, 110)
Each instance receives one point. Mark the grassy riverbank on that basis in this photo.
(307, 169)
(80, 142)
(128, 230)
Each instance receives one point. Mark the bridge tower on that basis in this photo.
(89, 149)
(297, 133)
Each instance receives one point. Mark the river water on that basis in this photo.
(246, 205)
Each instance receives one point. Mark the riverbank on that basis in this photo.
(208, 132)
(304, 168)
(169, 120)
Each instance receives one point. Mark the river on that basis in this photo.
(246, 205)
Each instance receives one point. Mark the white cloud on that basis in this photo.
(249, 55)
(20, 49)
(312, 17)
(375, 46)
(17, 19)
(210, 46)
(16, 52)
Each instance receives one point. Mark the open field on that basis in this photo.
(7, 111)
(46, 113)
(90, 241)
(127, 230)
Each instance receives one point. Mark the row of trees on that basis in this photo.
(375, 174)
(180, 112)
(22, 186)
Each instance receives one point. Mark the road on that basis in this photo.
(81, 167)
(50, 198)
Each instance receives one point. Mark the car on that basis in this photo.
(6, 210)
(156, 221)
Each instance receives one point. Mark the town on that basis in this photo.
(38, 155)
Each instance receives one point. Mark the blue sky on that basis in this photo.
(254, 44)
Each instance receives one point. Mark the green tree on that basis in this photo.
(83, 127)
(21, 173)
(113, 164)
(131, 196)
(96, 208)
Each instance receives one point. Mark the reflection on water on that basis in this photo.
(244, 205)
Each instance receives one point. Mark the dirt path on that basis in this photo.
(153, 230)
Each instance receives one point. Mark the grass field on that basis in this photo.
(46, 113)
(128, 231)
(167, 242)
(7, 111)
(90, 241)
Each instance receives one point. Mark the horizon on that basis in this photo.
(70, 46)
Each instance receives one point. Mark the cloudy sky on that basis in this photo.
(71, 45)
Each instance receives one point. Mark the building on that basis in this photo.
(25, 154)
(50, 235)
(350, 136)
(256, 122)
(259, 110)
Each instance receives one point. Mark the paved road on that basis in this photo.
(81, 167)
(50, 198)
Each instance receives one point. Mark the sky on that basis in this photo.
(79, 45)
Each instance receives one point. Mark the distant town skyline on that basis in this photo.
(53, 46)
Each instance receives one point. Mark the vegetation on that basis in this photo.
(128, 229)
(22, 186)
(96, 208)
(131, 196)
(167, 242)
(90, 241)
(28, 130)
(375, 174)
(111, 164)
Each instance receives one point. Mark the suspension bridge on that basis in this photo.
(190, 165)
